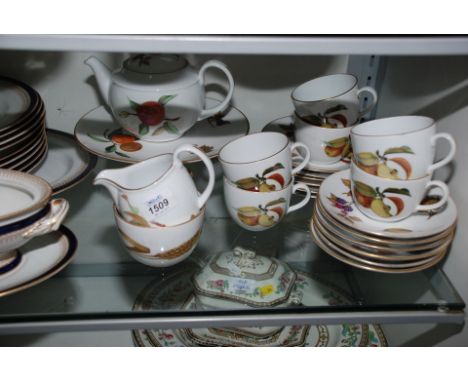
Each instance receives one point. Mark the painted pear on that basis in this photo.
(249, 215)
(266, 220)
(380, 208)
(386, 172)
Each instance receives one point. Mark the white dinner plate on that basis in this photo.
(98, 133)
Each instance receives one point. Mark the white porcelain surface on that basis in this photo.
(51, 222)
(99, 134)
(240, 277)
(21, 195)
(160, 246)
(14, 101)
(335, 197)
(158, 97)
(66, 163)
(331, 100)
(326, 145)
(399, 147)
(261, 160)
(41, 259)
(391, 200)
(259, 211)
(286, 126)
(158, 191)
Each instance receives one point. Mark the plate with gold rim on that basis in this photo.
(98, 133)
(379, 239)
(41, 258)
(383, 251)
(177, 289)
(335, 197)
(389, 261)
(320, 243)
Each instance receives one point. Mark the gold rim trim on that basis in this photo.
(330, 229)
(356, 264)
(400, 260)
(327, 98)
(380, 238)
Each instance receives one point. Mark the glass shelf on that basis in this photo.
(98, 291)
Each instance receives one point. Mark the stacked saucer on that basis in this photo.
(314, 173)
(23, 140)
(344, 232)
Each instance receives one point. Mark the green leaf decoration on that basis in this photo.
(338, 142)
(110, 149)
(335, 108)
(134, 209)
(365, 190)
(277, 166)
(166, 98)
(347, 150)
(275, 202)
(143, 129)
(170, 127)
(122, 154)
(399, 191)
(368, 159)
(99, 139)
(399, 150)
(249, 210)
(248, 183)
(133, 105)
(346, 182)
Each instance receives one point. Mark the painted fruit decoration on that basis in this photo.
(339, 147)
(152, 113)
(384, 203)
(386, 165)
(119, 140)
(266, 216)
(330, 118)
(270, 180)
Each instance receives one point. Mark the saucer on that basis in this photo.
(66, 163)
(335, 197)
(98, 133)
(41, 258)
(285, 125)
(176, 292)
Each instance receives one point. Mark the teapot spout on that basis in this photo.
(103, 180)
(103, 76)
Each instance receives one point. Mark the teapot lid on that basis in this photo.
(155, 63)
(240, 275)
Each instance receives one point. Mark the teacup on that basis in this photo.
(391, 200)
(262, 161)
(326, 145)
(158, 191)
(331, 100)
(399, 147)
(160, 246)
(258, 211)
(18, 233)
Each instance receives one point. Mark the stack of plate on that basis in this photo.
(23, 141)
(314, 173)
(410, 245)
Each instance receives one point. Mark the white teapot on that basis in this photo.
(155, 96)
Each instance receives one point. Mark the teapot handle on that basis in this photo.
(203, 198)
(205, 113)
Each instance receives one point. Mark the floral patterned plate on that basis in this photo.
(98, 133)
(286, 126)
(177, 291)
(335, 197)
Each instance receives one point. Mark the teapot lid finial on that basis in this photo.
(155, 63)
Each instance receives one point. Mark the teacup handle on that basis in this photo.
(451, 154)
(303, 202)
(51, 222)
(368, 89)
(203, 198)
(441, 202)
(305, 160)
(205, 113)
